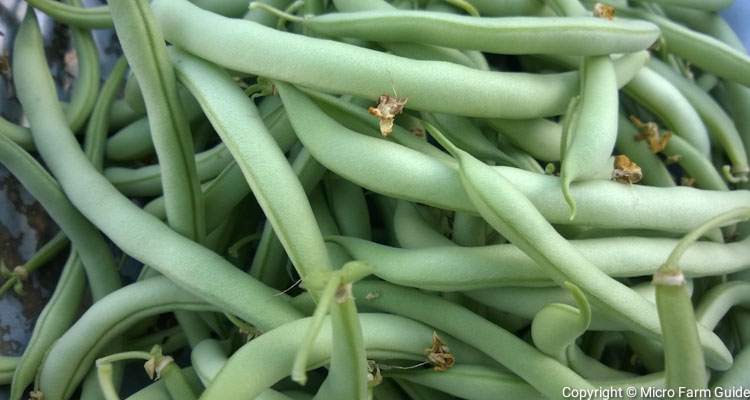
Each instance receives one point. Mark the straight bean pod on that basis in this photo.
(274, 183)
(252, 48)
(703, 51)
(451, 268)
(585, 36)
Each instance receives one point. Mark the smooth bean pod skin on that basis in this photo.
(149, 180)
(658, 95)
(274, 183)
(146, 52)
(81, 17)
(269, 358)
(507, 35)
(525, 227)
(655, 173)
(74, 352)
(53, 321)
(588, 144)
(702, 50)
(719, 124)
(139, 234)
(451, 268)
(396, 171)
(252, 48)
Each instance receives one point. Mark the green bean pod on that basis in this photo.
(269, 358)
(146, 52)
(412, 230)
(56, 317)
(538, 137)
(96, 131)
(695, 164)
(349, 208)
(658, 95)
(140, 235)
(719, 124)
(525, 227)
(588, 144)
(74, 352)
(654, 171)
(542, 372)
(471, 382)
(584, 36)
(273, 181)
(703, 51)
(148, 181)
(251, 48)
(396, 171)
(451, 268)
(719, 300)
(80, 17)
(567, 323)
(86, 87)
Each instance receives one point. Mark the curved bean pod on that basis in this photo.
(588, 144)
(719, 300)
(486, 383)
(544, 373)
(400, 172)
(654, 171)
(146, 52)
(450, 268)
(695, 164)
(349, 208)
(252, 48)
(270, 356)
(567, 322)
(96, 131)
(140, 235)
(86, 88)
(96, 256)
(701, 50)
(272, 180)
(585, 36)
(74, 352)
(81, 17)
(481, 383)
(411, 230)
(53, 321)
(719, 124)
(659, 96)
(490, 192)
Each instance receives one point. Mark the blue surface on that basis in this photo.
(738, 15)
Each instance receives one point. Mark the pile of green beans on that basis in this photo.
(381, 200)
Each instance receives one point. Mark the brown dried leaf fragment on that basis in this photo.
(387, 109)
(439, 355)
(649, 131)
(626, 171)
(602, 10)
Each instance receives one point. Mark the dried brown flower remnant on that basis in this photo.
(649, 131)
(36, 395)
(602, 10)
(387, 109)
(626, 171)
(439, 355)
(374, 376)
(686, 181)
